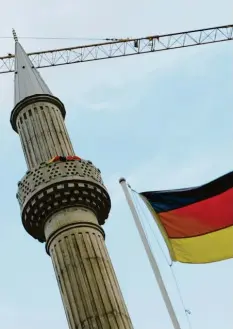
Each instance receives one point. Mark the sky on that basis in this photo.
(162, 120)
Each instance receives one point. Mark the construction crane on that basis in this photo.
(122, 47)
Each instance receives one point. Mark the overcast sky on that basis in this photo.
(163, 121)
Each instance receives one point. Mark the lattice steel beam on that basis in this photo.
(122, 47)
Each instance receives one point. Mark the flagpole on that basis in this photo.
(150, 255)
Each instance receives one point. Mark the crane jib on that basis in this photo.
(122, 47)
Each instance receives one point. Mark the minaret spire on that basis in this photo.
(64, 202)
(28, 80)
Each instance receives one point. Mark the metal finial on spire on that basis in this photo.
(15, 35)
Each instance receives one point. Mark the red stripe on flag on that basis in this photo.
(200, 218)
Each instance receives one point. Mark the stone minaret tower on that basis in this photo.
(63, 203)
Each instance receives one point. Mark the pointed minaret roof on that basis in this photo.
(29, 85)
(28, 81)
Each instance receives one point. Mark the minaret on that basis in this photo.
(64, 203)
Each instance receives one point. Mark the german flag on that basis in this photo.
(196, 223)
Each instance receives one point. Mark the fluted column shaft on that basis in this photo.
(90, 292)
(42, 133)
(64, 204)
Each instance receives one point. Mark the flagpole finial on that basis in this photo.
(121, 180)
(15, 35)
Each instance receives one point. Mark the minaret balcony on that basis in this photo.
(54, 186)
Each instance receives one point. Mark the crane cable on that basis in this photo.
(63, 38)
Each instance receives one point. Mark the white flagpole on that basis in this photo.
(150, 255)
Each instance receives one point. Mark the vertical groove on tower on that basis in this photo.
(60, 128)
(110, 273)
(51, 145)
(28, 145)
(87, 282)
(54, 139)
(43, 134)
(46, 150)
(66, 132)
(56, 131)
(25, 149)
(64, 297)
(34, 135)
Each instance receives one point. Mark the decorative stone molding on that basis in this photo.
(32, 100)
(52, 187)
